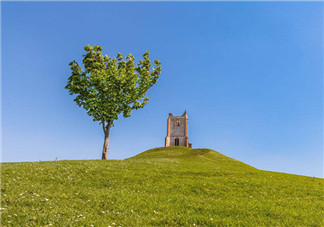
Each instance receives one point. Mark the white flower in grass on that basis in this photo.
(103, 211)
(211, 219)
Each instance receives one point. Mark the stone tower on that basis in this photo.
(177, 134)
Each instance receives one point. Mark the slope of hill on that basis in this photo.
(162, 186)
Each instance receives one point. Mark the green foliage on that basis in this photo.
(107, 87)
(161, 187)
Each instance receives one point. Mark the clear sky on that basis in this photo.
(249, 74)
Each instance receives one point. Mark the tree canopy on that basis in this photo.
(107, 87)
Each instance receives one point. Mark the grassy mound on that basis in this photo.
(201, 157)
(160, 187)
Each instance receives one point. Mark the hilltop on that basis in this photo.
(162, 186)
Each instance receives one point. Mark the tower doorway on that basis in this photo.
(176, 142)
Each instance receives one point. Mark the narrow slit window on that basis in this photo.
(177, 123)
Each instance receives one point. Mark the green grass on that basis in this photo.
(160, 187)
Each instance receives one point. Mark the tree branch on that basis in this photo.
(103, 126)
(108, 127)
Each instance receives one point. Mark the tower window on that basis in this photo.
(176, 142)
(177, 123)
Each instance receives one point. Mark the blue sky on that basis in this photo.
(249, 74)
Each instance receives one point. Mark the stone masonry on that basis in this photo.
(177, 133)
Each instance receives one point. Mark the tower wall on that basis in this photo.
(177, 131)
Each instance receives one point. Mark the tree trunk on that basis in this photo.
(106, 143)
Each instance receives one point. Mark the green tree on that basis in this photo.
(107, 87)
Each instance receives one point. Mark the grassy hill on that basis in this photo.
(160, 187)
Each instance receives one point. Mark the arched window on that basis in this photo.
(176, 142)
(177, 123)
